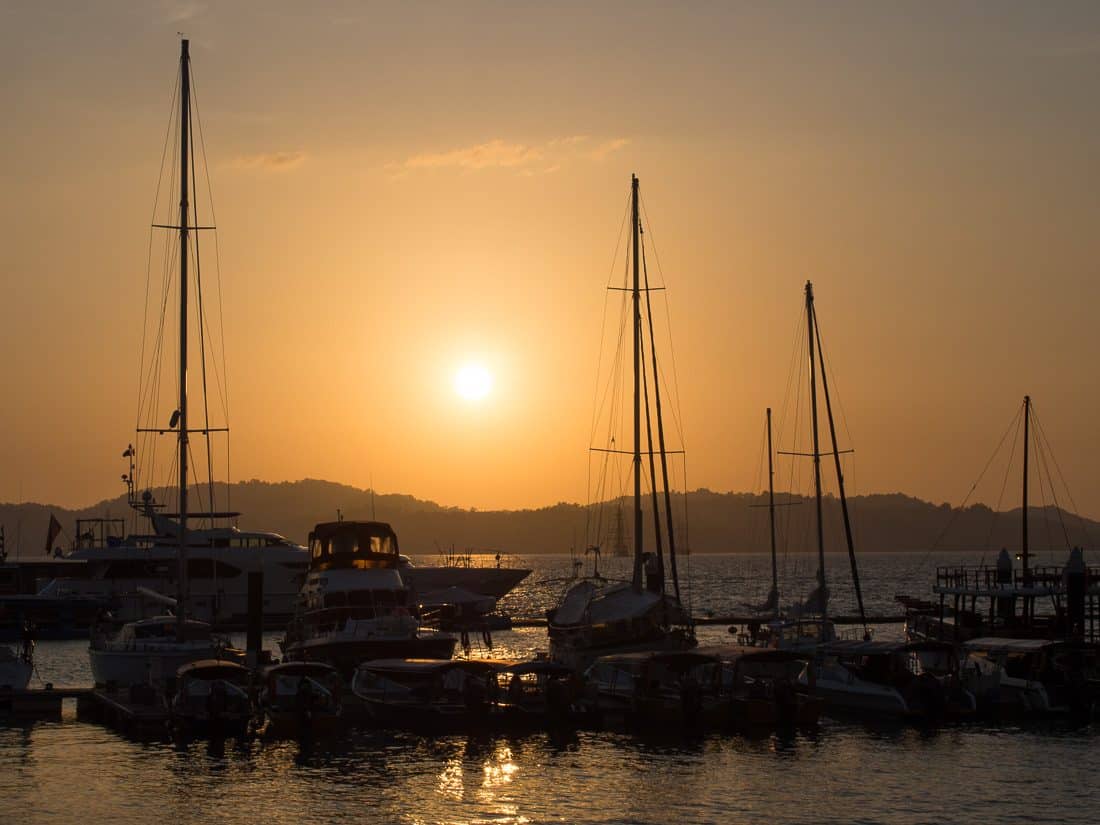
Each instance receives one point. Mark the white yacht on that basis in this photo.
(150, 651)
(355, 605)
(218, 562)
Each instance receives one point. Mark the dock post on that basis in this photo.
(254, 636)
(1074, 577)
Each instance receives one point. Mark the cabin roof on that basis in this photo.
(658, 656)
(426, 665)
(373, 528)
(994, 644)
(731, 653)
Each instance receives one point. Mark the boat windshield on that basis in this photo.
(354, 544)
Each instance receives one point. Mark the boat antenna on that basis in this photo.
(185, 116)
(840, 478)
(372, 516)
(822, 594)
(636, 581)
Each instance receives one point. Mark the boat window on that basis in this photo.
(344, 543)
(316, 549)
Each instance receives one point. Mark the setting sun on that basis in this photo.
(473, 382)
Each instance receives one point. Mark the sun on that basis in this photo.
(473, 382)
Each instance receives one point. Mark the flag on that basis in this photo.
(52, 533)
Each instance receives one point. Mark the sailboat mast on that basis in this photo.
(1027, 449)
(840, 479)
(185, 117)
(817, 451)
(636, 295)
(771, 515)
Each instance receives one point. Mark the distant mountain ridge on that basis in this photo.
(718, 522)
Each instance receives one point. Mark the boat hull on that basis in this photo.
(139, 667)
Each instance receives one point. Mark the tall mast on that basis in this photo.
(817, 453)
(185, 118)
(636, 295)
(661, 446)
(840, 478)
(1027, 449)
(771, 517)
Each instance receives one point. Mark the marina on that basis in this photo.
(438, 265)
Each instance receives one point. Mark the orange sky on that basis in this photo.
(402, 188)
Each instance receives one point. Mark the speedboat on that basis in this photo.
(211, 698)
(647, 688)
(151, 651)
(765, 687)
(1033, 677)
(300, 699)
(428, 694)
(466, 694)
(917, 680)
(354, 605)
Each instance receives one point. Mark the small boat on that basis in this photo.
(151, 651)
(212, 697)
(467, 694)
(655, 688)
(536, 693)
(1032, 677)
(354, 605)
(300, 699)
(767, 688)
(428, 695)
(918, 680)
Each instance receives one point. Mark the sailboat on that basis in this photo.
(597, 617)
(808, 623)
(151, 650)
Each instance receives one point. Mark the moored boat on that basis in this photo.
(596, 617)
(151, 651)
(655, 689)
(354, 606)
(212, 698)
(767, 688)
(1032, 677)
(915, 680)
(300, 699)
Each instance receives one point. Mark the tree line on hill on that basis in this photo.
(716, 522)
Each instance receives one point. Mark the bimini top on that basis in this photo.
(213, 669)
(296, 668)
(731, 653)
(426, 666)
(669, 658)
(991, 644)
(361, 544)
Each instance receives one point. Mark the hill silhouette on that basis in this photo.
(718, 522)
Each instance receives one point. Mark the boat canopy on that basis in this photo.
(315, 669)
(990, 644)
(426, 666)
(668, 658)
(213, 669)
(731, 654)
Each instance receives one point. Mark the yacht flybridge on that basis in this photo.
(355, 606)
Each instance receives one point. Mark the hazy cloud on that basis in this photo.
(494, 153)
(270, 161)
(527, 159)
